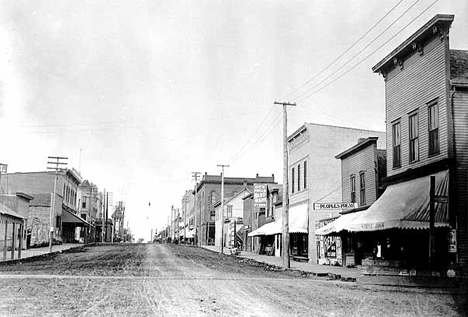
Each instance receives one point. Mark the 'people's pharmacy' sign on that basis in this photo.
(330, 206)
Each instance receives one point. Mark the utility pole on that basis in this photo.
(431, 220)
(185, 200)
(195, 177)
(107, 209)
(222, 205)
(55, 165)
(285, 240)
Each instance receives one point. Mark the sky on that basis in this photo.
(140, 94)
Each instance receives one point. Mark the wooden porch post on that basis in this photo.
(13, 241)
(21, 235)
(5, 245)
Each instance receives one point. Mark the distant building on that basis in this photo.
(41, 184)
(209, 192)
(315, 175)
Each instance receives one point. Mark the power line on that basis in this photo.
(364, 59)
(342, 54)
(359, 52)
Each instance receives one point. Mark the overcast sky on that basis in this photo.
(139, 94)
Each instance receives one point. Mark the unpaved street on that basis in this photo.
(172, 280)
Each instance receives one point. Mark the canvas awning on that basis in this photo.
(298, 219)
(337, 225)
(298, 223)
(69, 217)
(405, 206)
(267, 229)
(6, 214)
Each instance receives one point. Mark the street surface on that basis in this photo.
(174, 280)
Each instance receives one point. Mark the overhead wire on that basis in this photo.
(369, 55)
(360, 51)
(343, 53)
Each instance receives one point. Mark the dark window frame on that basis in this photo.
(396, 143)
(305, 174)
(433, 131)
(362, 188)
(298, 177)
(352, 187)
(292, 181)
(413, 136)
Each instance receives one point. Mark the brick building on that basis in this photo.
(209, 192)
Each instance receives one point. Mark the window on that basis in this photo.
(396, 140)
(413, 137)
(305, 174)
(83, 216)
(212, 215)
(213, 198)
(433, 121)
(229, 211)
(362, 187)
(292, 181)
(83, 204)
(352, 184)
(298, 177)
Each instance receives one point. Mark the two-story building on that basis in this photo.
(363, 167)
(315, 174)
(423, 212)
(61, 209)
(209, 193)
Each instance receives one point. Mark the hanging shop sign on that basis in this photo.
(333, 206)
(260, 195)
(452, 241)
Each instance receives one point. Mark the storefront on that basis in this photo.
(394, 231)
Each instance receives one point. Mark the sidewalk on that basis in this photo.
(336, 272)
(40, 251)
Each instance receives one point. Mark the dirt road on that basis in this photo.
(171, 280)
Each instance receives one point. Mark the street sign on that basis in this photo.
(441, 199)
(334, 206)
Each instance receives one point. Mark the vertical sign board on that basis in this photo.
(260, 195)
(452, 241)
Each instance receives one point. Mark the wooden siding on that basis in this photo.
(364, 160)
(460, 102)
(422, 79)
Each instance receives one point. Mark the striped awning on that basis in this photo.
(405, 206)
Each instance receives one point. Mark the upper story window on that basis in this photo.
(299, 177)
(433, 122)
(396, 144)
(229, 211)
(413, 137)
(83, 204)
(352, 185)
(362, 187)
(213, 198)
(292, 181)
(305, 174)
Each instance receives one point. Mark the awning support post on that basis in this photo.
(13, 241)
(431, 221)
(5, 244)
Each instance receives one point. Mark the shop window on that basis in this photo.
(413, 137)
(396, 144)
(352, 186)
(362, 187)
(433, 122)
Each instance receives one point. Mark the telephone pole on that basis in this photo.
(285, 240)
(222, 205)
(55, 162)
(195, 177)
(185, 201)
